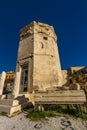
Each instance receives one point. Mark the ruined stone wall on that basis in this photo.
(75, 69)
(65, 76)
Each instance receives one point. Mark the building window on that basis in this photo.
(45, 38)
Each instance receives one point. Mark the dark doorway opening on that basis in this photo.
(24, 78)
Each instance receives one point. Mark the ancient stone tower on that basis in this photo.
(38, 58)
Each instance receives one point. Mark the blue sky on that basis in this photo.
(69, 18)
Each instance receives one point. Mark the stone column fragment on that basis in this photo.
(16, 89)
(2, 82)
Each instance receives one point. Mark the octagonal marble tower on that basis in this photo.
(38, 58)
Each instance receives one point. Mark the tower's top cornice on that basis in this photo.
(35, 28)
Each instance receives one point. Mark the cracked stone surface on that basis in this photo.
(20, 122)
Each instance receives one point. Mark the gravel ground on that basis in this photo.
(20, 122)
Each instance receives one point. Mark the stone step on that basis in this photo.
(5, 108)
(11, 109)
(61, 97)
(9, 105)
(7, 96)
(10, 96)
(18, 108)
(13, 102)
(9, 102)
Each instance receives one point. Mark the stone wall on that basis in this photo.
(47, 69)
(65, 76)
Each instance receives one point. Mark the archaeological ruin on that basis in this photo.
(39, 79)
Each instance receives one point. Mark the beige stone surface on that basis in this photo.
(61, 97)
(38, 48)
(74, 86)
(17, 84)
(65, 76)
(47, 69)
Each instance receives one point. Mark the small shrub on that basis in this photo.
(3, 114)
(55, 110)
(80, 115)
(38, 115)
(71, 110)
